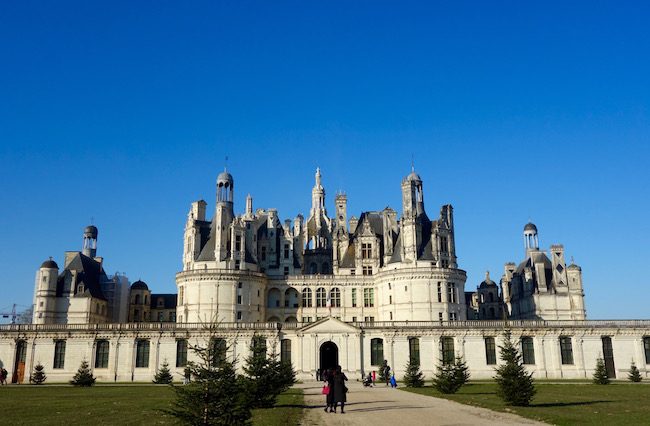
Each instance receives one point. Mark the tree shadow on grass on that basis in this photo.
(567, 404)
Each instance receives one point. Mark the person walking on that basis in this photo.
(339, 389)
(328, 378)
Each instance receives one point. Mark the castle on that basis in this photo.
(325, 291)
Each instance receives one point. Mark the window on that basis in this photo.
(239, 299)
(142, 353)
(490, 351)
(286, 251)
(646, 347)
(335, 297)
(101, 354)
(285, 350)
(440, 316)
(566, 350)
(366, 251)
(443, 245)
(259, 343)
(414, 349)
(453, 316)
(306, 319)
(238, 243)
(321, 298)
(369, 319)
(439, 292)
(354, 319)
(391, 316)
(368, 297)
(445, 263)
(354, 297)
(137, 299)
(161, 316)
(451, 293)
(390, 299)
(527, 350)
(218, 351)
(59, 354)
(306, 298)
(376, 351)
(448, 353)
(353, 272)
(239, 315)
(367, 270)
(286, 271)
(263, 253)
(180, 295)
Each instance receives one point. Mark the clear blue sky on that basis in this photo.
(124, 111)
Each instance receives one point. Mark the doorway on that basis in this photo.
(19, 363)
(329, 356)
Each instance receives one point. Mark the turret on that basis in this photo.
(45, 293)
(90, 241)
(341, 202)
(531, 241)
(224, 215)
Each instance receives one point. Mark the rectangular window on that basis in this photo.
(453, 316)
(353, 272)
(101, 354)
(368, 297)
(59, 354)
(354, 319)
(238, 243)
(181, 353)
(390, 299)
(490, 351)
(180, 295)
(239, 299)
(527, 350)
(443, 245)
(448, 353)
(161, 316)
(239, 315)
(263, 253)
(566, 350)
(367, 270)
(451, 293)
(414, 349)
(376, 351)
(646, 347)
(439, 292)
(306, 319)
(369, 319)
(354, 297)
(366, 251)
(286, 271)
(440, 316)
(445, 263)
(286, 251)
(285, 350)
(142, 353)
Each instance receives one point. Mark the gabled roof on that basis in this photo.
(89, 273)
(329, 325)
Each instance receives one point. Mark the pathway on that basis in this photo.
(391, 407)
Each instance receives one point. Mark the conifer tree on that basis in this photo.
(38, 377)
(449, 378)
(514, 384)
(413, 377)
(267, 375)
(600, 374)
(216, 395)
(635, 374)
(83, 377)
(163, 376)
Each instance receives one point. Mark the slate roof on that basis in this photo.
(89, 273)
(169, 301)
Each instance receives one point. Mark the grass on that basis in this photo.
(564, 404)
(123, 405)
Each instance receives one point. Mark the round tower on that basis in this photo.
(45, 294)
(140, 302)
(90, 241)
(531, 241)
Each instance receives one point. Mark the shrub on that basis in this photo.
(600, 375)
(38, 377)
(450, 378)
(635, 374)
(83, 377)
(163, 376)
(413, 377)
(515, 385)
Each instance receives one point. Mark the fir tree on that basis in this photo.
(267, 375)
(38, 377)
(413, 377)
(514, 385)
(163, 376)
(449, 378)
(600, 374)
(635, 374)
(216, 394)
(83, 377)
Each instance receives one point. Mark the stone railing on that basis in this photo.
(270, 326)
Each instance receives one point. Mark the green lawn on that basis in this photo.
(565, 404)
(123, 405)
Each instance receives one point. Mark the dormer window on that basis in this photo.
(80, 288)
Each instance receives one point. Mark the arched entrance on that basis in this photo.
(329, 355)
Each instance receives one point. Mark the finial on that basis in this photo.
(225, 164)
(487, 275)
(572, 262)
(50, 257)
(412, 163)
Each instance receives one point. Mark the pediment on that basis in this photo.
(329, 325)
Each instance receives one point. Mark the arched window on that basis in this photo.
(306, 298)
(273, 299)
(273, 319)
(291, 298)
(137, 299)
(321, 297)
(291, 319)
(376, 351)
(335, 297)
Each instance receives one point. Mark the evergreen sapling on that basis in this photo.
(38, 377)
(635, 374)
(413, 377)
(83, 377)
(600, 374)
(163, 376)
(514, 384)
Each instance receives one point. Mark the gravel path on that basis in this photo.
(385, 406)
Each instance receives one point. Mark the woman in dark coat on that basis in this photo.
(328, 377)
(339, 388)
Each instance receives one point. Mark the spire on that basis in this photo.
(487, 276)
(318, 184)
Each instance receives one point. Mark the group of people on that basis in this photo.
(3, 376)
(334, 389)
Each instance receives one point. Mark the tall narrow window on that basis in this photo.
(335, 297)
(527, 350)
(451, 293)
(238, 243)
(448, 353)
(285, 350)
(376, 351)
(142, 353)
(218, 351)
(490, 351)
(259, 343)
(101, 354)
(366, 251)
(414, 349)
(181, 293)
(354, 297)
(321, 298)
(59, 354)
(646, 347)
(439, 292)
(263, 253)
(566, 350)
(444, 245)
(368, 297)
(286, 251)
(181, 352)
(306, 298)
